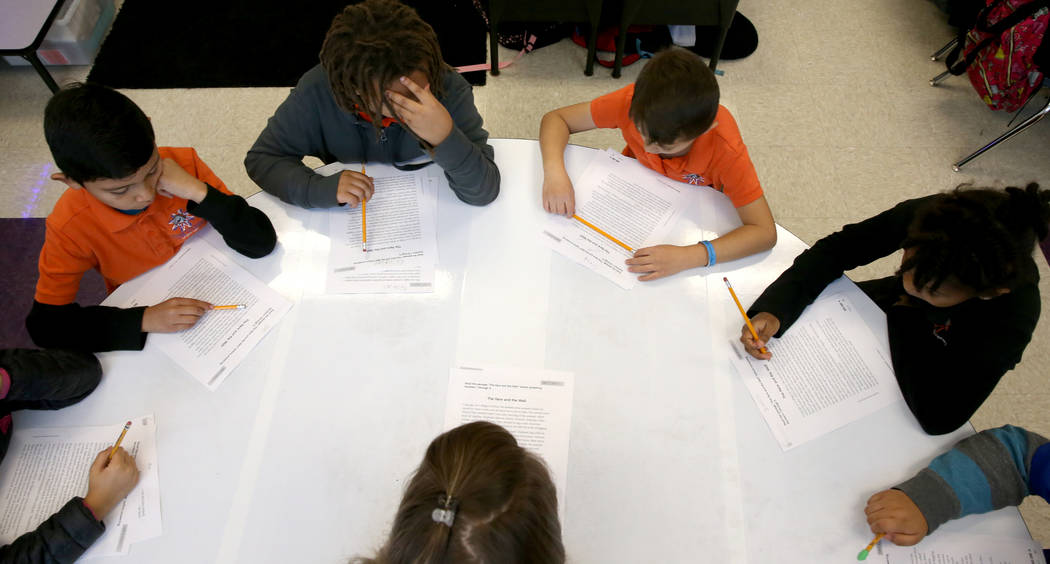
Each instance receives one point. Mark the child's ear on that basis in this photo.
(60, 177)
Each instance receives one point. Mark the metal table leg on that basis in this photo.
(41, 70)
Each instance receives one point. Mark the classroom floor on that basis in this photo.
(834, 107)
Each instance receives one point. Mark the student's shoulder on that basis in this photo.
(314, 89)
(313, 78)
(726, 128)
(186, 157)
(614, 108)
(72, 208)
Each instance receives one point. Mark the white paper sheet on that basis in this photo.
(534, 405)
(948, 548)
(46, 467)
(827, 370)
(212, 348)
(402, 235)
(624, 199)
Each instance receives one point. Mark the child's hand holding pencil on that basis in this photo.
(354, 187)
(766, 325)
(112, 477)
(893, 513)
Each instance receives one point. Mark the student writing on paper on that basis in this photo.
(673, 124)
(477, 497)
(960, 309)
(993, 469)
(382, 93)
(129, 207)
(53, 379)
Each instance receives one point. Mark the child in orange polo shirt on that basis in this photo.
(673, 124)
(129, 207)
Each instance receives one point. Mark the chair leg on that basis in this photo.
(621, 42)
(943, 50)
(41, 70)
(493, 49)
(592, 48)
(939, 78)
(717, 53)
(1017, 129)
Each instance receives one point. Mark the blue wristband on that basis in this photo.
(711, 259)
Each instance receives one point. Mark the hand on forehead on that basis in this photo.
(418, 77)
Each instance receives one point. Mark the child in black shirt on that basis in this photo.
(961, 308)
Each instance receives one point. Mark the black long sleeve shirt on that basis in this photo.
(947, 360)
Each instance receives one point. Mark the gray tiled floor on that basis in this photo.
(834, 106)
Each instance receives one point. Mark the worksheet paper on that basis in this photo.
(47, 467)
(951, 548)
(402, 235)
(631, 203)
(534, 405)
(212, 348)
(827, 370)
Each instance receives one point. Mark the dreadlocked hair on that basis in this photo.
(983, 237)
(372, 44)
(506, 507)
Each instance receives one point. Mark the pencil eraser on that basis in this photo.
(862, 555)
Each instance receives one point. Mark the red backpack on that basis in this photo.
(1000, 52)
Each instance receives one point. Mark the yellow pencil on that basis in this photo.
(742, 312)
(119, 439)
(364, 220)
(231, 306)
(864, 553)
(607, 236)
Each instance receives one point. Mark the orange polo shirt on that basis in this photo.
(83, 233)
(718, 158)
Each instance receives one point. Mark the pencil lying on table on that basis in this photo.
(119, 439)
(364, 220)
(607, 236)
(742, 312)
(231, 306)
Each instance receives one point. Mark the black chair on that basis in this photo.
(680, 12)
(588, 11)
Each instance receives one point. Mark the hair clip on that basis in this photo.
(446, 513)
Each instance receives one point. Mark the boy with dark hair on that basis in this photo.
(993, 469)
(960, 310)
(53, 379)
(381, 94)
(673, 124)
(111, 219)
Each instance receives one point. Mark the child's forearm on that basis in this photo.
(245, 229)
(90, 328)
(554, 137)
(741, 242)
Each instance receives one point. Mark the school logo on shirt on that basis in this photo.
(181, 221)
(940, 330)
(694, 179)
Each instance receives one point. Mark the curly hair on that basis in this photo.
(505, 504)
(983, 237)
(372, 44)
